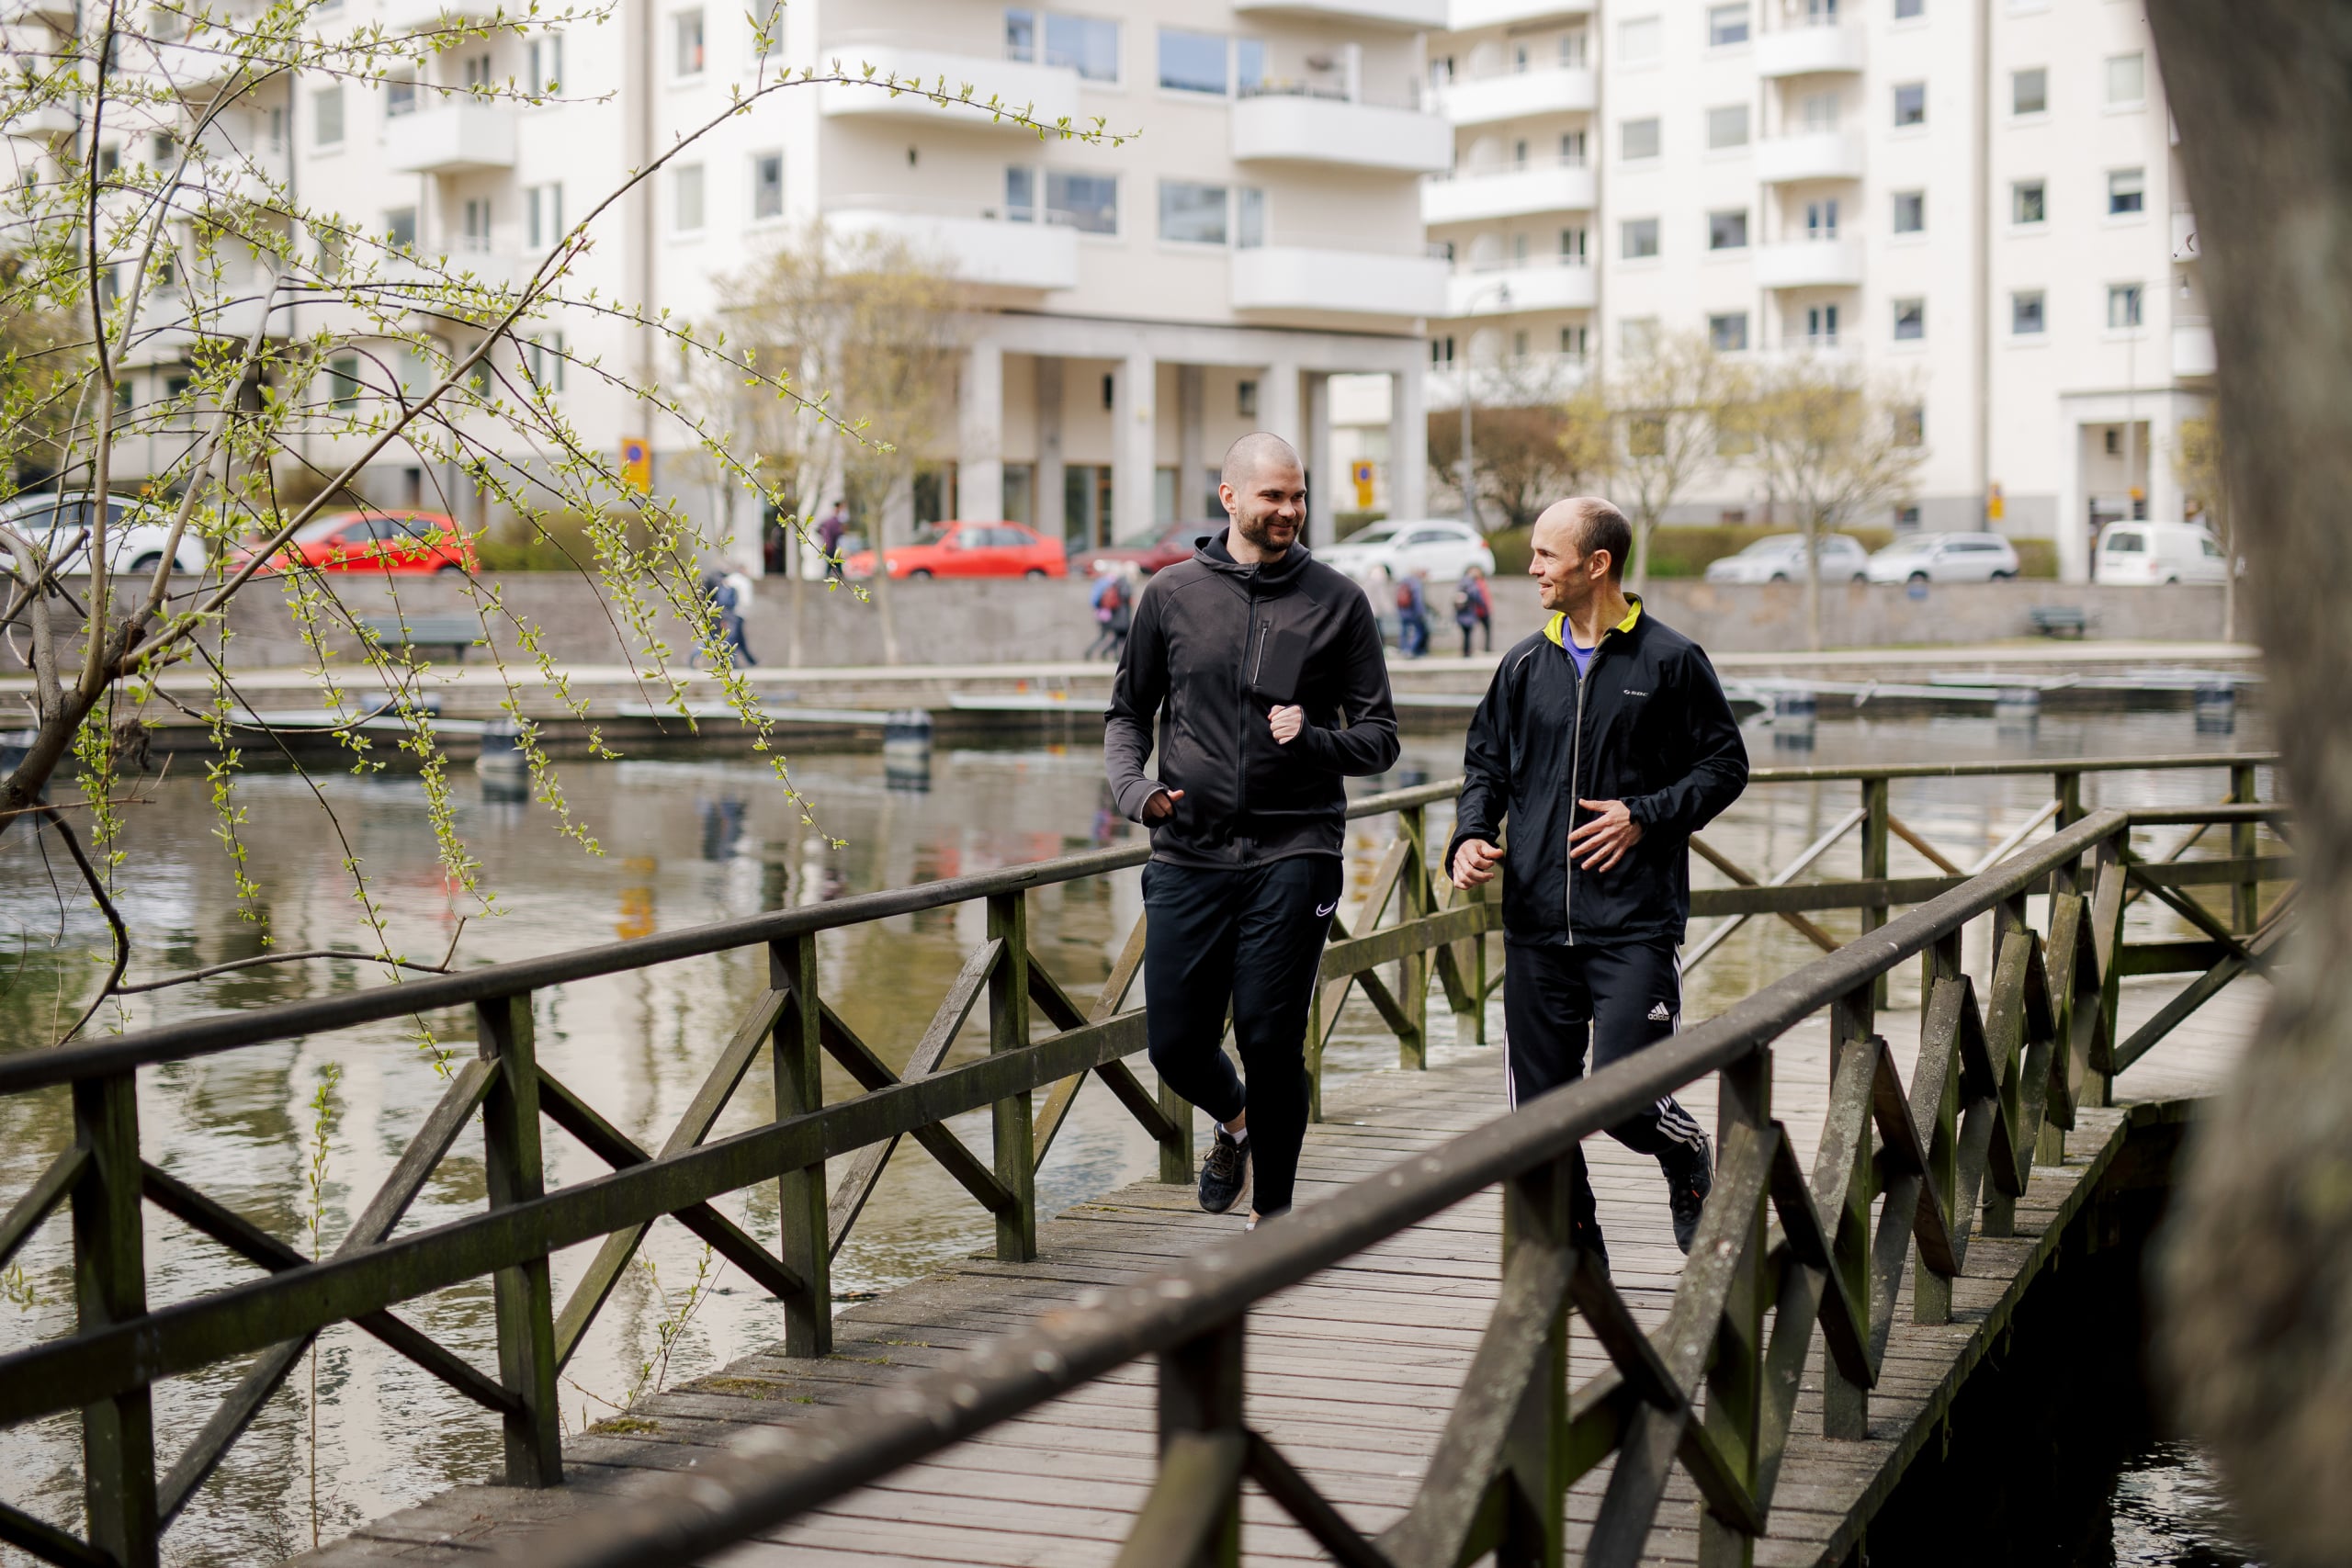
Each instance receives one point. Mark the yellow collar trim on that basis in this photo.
(1556, 628)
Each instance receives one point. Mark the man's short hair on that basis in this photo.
(1252, 452)
(1597, 524)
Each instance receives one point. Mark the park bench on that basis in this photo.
(456, 632)
(2057, 620)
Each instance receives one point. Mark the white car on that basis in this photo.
(1439, 548)
(2150, 553)
(1946, 558)
(1781, 558)
(137, 532)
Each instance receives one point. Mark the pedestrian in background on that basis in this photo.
(1109, 600)
(1381, 589)
(1474, 609)
(1412, 616)
(829, 538)
(733, 597)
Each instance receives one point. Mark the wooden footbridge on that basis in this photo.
(1415, 1369)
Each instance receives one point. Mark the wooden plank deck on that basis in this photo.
(1351, 1374)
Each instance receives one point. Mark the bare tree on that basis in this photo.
(1526, 455)
(2197, 461)
(2255, 1274)
(1665, 407)
(1833, 447)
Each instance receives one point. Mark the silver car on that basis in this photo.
(1781, 558)
(1946, 558)
(137, 533)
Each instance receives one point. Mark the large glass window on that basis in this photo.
(1637, 138)
(1250, 217)
(1728, 127)
(1088, 45)
(1726, 24)
(1248, 63)
(1192, 63)
(1191, 214)
(1089, 203)
(2127, 80)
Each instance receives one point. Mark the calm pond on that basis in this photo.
(363, 1432)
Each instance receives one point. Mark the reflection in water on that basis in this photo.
(686, 842)
(2167, 1511)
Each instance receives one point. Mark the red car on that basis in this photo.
(376, 541)
(1167, 544)
(969, 550)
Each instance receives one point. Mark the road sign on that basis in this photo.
(637, 464)
(1363, 475)
(1994, 507)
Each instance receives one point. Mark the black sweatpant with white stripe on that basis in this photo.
(1611, 998)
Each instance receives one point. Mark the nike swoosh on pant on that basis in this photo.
(1324, 909)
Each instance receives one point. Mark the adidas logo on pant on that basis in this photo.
(1659, 1015)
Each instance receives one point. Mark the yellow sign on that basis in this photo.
(1994, 507)
(1363, 485)
(637, 465)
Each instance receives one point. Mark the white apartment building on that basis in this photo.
(1259, 232)
(1975, 198)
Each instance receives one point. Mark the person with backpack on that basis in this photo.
(829, 538)
(1473, 609)
(1109, 600)
(1412, 616)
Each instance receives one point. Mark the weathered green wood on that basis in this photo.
(1876, 817)
(969, 1170)
(1200, 1416)
(1016, 1169)
(1843, 1183)
(109, 1292)
(2245, 840)
(2091, 1088)
(1414, 903)
(1736, 1398)
(1180, 1524)
(1935, 1116)
(1419, 935)
(49, 1189)
(804, 1241)
(1777, 897)
(521, 1291)
(49, 1543)
(1298, 1497)
(1046, 994)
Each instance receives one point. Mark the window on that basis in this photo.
(1088, 203)
(1245, 392)
(767, 185)
(1907, 517)
(1819, 111)
(544, 63)
(2123, 307)
(1910, 212)
(122, 397)
(327, 115)
(473, 228)
(1572, 50)
(2027, 202)
(400, 97)
(1519, 343)
(1638, 40)
(1910, 320)
(477, 70)
(1911, 428)
(1726, 24)
(685, 33)
(1519, 154)
(542, 215)
(1019, 195)
(343, 381)
(1519, 249)
(1573, 342)
(1021, 35)
(1819, 328)
(1440, 352)
(685, 199)
(1728, 334)
(1637, 335)
(1191, 214)
(1572, 149)
(2030, 91)
(2127, 192)
(1250, 219)
(543, 358)
(1192, 63)
(1911, 103)
(1909, 10)
(1572, 247)
(1821, 220)
(2026, 315)
(1728, 127)
(1637, 138)
(1640, 239)
(399, 228)
(1088, 45)
(1727, 230)
(2127, 80)
(1249, 64)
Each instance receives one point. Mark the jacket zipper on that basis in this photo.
(1241, 708)
(1265, 635)
(1576, 758)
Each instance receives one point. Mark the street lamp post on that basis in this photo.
(1501, 291)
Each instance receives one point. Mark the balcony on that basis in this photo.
(2192, 349)
(1301, 130)
(1809, 155)
(1466, 15)
(416, 16)
(1482, 99)
(981, 250)
(453, 139)
(1047, 93)
(1508, 193)
(1809, 51)
(1531, 286)
(1359, 283)
(2184, 235)
(1508, 380)
(1404, 16)
(1810, 264)
(56, 122)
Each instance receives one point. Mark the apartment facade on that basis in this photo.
(1976, 200)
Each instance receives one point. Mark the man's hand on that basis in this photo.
(1287, 722)
(1602, 843)
(1162, 805)
(1474, 863)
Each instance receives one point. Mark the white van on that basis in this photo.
(2148, 553)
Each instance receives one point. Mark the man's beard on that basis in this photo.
(1258, 532)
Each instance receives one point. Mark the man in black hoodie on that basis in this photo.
(1606, 741)
(1264, 670)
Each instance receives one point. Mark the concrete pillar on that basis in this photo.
(979, 448)
(1323, 477)
(1049, 448)
(1135, 451)
(2164, 443)
(1193, 490)
(1278, 410)
(1409, 443)
(2074, 508)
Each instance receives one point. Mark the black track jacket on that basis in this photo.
(1649, 726)
(1214, 647)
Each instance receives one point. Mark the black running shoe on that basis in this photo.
(1690, 1177)
(1224, 1173)
(1590, 1242)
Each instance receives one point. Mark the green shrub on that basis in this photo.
(559, 543)
(1346, 523)
(2035, 557)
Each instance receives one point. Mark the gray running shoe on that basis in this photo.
(1224, 1173)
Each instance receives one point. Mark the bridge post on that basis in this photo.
(523, 1295)
(1931, 1291)
(805, 1237)
(110, 1288)
(1875, 796)
(2009, 923)
(2245, 894)
(1845, 1404)
(1200, 1396)
(1016, 1228)
(2068, 787)
(1413, 902)
(1537, 1207)
(1735, 1418)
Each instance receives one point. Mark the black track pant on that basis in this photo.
(1250, 938)
(1611, 1000)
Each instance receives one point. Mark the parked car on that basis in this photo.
(1439, 548)
(2160, 552)
(137, 531)
(1163, 545)
(378, 541)
(969, 550)
(1781, 558)
(1945, 558)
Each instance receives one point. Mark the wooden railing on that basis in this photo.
(2011, 1070)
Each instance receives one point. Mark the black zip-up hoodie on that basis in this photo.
(1648, 725)
(1216, 646)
